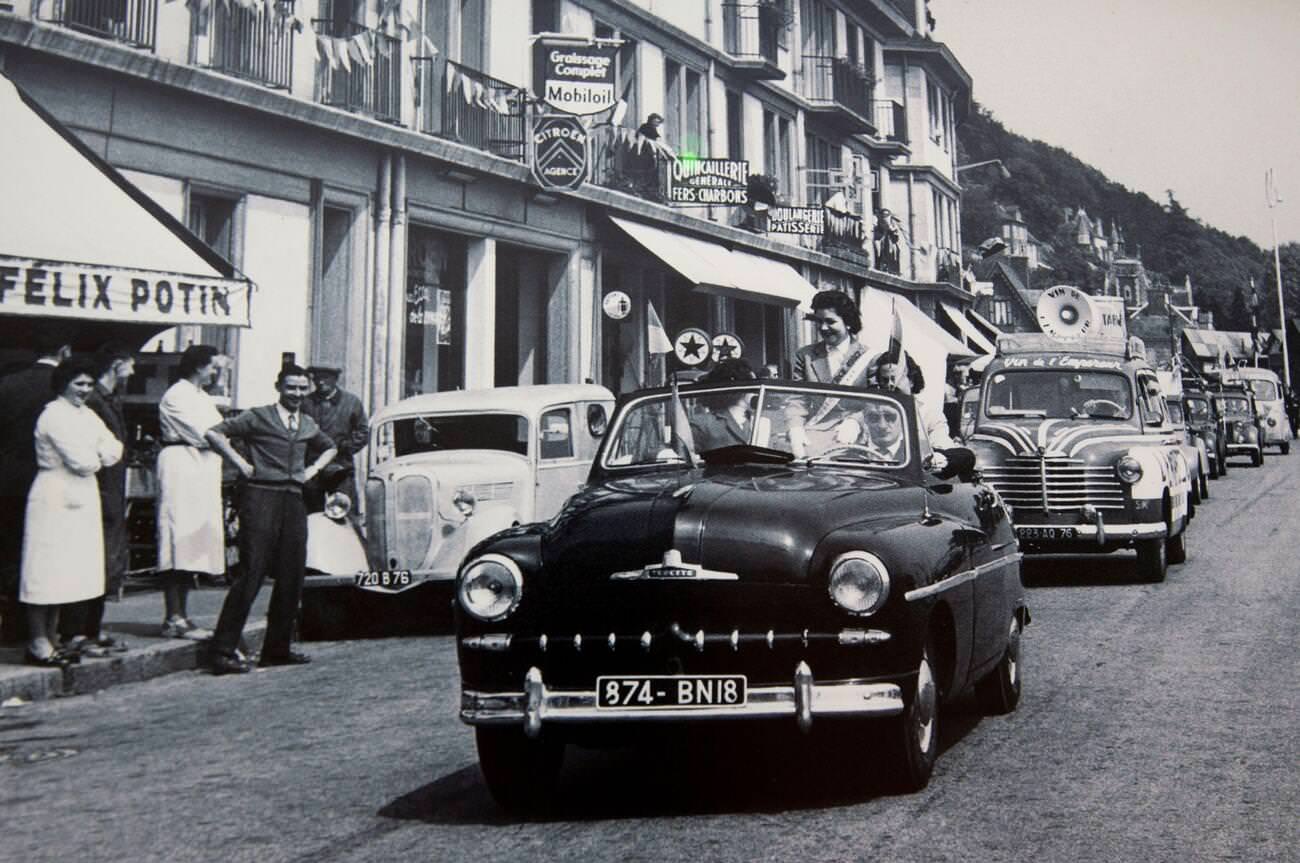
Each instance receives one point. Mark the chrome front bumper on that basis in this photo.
(803, 700)
(1106, 532)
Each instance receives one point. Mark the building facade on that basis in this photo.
(367, 164)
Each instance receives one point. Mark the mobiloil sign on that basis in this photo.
(574, 74)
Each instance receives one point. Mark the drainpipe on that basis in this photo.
(911, 223)
(397, 280)
(379, 345)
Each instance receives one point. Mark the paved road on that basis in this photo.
(1159, 723)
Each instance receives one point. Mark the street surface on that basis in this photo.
(1158, 724)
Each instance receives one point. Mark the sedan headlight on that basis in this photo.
(1128, 469)
(337, 505)
(859, 582)
(490, 587)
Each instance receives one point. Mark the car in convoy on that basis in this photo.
(1243, 428)
(1204, 423)
(707, 574)
(446, 470)
(1075, 437)
(1194, 452)
(1270, 405)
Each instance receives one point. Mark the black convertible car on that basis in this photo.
(753, 551)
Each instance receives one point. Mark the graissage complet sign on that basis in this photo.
(574, 76)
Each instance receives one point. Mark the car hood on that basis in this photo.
(762, 523)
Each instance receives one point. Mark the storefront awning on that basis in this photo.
(968, 329)
(79, 242)
(990, 330)
(712, 267)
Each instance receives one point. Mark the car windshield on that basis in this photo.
(832, 427)
(441, 432)
(1198, 409)
(1236, 406)
(1175, 411)
(1265, 390)
(1058, 394)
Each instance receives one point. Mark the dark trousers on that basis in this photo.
(272, 539)
(82, 618)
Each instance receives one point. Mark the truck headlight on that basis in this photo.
(1128, 469)
(1272, 422)
(337, 505)
(859, 582)
(1252, 433)
(490, 587)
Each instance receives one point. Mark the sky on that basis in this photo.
(1197, 96)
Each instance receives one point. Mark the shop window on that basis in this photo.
(556, 431)
(435, 313)
(214, 219)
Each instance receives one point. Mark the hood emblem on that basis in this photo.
(673, 569)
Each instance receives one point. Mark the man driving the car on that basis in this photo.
(878, 430)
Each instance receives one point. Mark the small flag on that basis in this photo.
(894, 353)
(683, 441)
(657, 341)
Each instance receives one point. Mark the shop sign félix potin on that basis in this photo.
(68, 290)
(695, 182)
(575, 74)
(559, 152)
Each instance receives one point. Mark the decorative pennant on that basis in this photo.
(341, 49)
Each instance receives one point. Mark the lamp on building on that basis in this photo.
(1002, 169)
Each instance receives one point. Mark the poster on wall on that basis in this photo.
(574, 75)
(442, 315)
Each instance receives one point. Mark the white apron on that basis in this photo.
(63, 541)
(191, 531)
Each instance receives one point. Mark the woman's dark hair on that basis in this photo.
(195, 358)
(70, 369)
(726, 371)
(841, 304)
(108, 354)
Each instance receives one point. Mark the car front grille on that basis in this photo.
(1046, 484)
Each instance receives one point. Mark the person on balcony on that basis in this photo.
(886, 236)
(647, 152)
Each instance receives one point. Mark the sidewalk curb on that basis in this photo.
(93, 675)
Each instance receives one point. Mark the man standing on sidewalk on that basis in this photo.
(342, 417)
(272, 518)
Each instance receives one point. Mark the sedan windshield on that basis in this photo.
(861, 429)
(1234, 406)
(1198, 409)
(1058, 394)
(441, 432)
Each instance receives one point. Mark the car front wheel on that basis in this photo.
(1176, 548)
(1205, 487)
(1152, 562)
(1285, 447)
(521, 772)
(1257, 457)
(998, 692)
(915, 737)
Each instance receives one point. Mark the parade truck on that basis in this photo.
(1073, 432)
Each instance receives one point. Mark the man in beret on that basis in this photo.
(342, 418)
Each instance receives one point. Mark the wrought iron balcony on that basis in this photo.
(751, 33)
(623, 161)
(372, 88)
(133, 22)
(839, 91)
(465, 105)
(256, 45)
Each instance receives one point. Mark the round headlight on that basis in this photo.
(337, 505)
(1272, 422)
(1252, 432)
(490, 587)
(859, 582)
(1128, 469)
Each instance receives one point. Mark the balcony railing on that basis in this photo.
(891, 121)
(134, 22)
(620, 160)
(837, 82)
(373, 89)
(465, 105)
(256, 45)
(751, 30)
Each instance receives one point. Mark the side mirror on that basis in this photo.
(597, 421)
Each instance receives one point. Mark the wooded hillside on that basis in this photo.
(1047, 183)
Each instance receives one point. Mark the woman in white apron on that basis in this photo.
(63, 540)
(191, 530)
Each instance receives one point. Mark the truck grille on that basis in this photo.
(1055, 484)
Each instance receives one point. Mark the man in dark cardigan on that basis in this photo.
(272, 518)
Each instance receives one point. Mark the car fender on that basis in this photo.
(333, 546)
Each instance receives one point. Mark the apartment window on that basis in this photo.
(877, 198)
(823, 172)
(818, 23)
(684, 109)
(625, 70)
(776, 150)
(735, 126)
(939, 105)
(214, 219)
(473, 33)
(546, 16)
(945, 223)
(1002, 312)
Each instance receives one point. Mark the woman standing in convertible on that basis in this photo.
(836, 358)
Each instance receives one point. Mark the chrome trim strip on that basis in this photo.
(698, 575)
(960, 578)
(803, 700)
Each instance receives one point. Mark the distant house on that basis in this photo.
(1010, 304)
